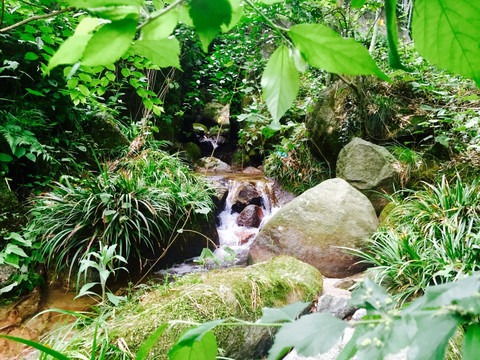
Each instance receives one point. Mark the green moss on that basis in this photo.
(236, 292)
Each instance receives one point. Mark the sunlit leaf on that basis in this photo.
(392, 35)
(208, 16)
(161, 27)
(447, 33)
(109, 43)
(280, 83)
(356, 4)
(148, 344)
(42, 348)
(326, 49)
(471, 345)
(204, 348)
(163, 53)
(85, 4)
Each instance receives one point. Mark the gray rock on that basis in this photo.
(368, 168)
(247, 195)
(5, 272)
(212, 164)
(314, 225)
(217, 112)
(335, 305)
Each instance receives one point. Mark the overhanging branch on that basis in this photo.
(35, 17)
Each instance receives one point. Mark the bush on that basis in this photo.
(431, 237)
(293, 165)
(136, 207)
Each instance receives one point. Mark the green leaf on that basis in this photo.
(161, 27)
(89, 4)
(196, 333)
(371, 296)
(446, 32)
(116, 13)
(5, 158)
(44, 349)
(237, 13)
(85, 290)
(14, 249)
(270, 2)
(471, 344)
(8, 288)
(164, 52)
(392, 35)
(208, 16)
(109, 43)
(34, 92)
(31, 156)
(203, 349)
(286, 313)
(148, 344)
(310, 335)
(280, 83)
(356, 4)
(31, 56)
(72, 49)
(326, 49)
(114, 299)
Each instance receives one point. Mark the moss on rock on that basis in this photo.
(235, 292)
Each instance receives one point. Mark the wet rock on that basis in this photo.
(282, 196)
(251, 216)
(245, 236)
(192, 151)
(5, 272)
(212, 164)
(314, 225)
(252, 171)
(220, 185)
(368, 168)
(247, 195)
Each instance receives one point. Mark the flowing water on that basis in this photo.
(231, 235)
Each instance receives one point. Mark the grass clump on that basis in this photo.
(136, 207)
(430, 237)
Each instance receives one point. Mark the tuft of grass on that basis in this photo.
(136, 207)
(430, 237)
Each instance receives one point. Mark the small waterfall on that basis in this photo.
(234, 236)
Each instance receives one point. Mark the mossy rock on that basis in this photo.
(218, 294)
(192, 151)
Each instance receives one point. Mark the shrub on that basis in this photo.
(431, 237)
(135, 207)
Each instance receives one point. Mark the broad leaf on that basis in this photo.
(326, 49)
(148, 344)
(392, 35)
(109, 43)
(208, 16)
(237, 13)
(89, 4)
(163, 53)
(203, 349)
(356, 4)
(15, 249)
(5, 158)
(371, 296)
(270, 2)
(72, 49)
(116, 13)
(286, 313)
(447, 33)
(161, 27)
(196, 333)
(471, 345)
(8, 288)
(310, 335)
(280, 83)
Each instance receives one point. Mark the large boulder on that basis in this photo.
(314, 225)
(218, 294)
(368, 168)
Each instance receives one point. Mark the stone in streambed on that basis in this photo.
(247, 195)
(251, 216)
(218, 294)
(314, 225)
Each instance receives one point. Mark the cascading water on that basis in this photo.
(237, 237)
(231, 235)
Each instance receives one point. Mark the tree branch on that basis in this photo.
(36, 17)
